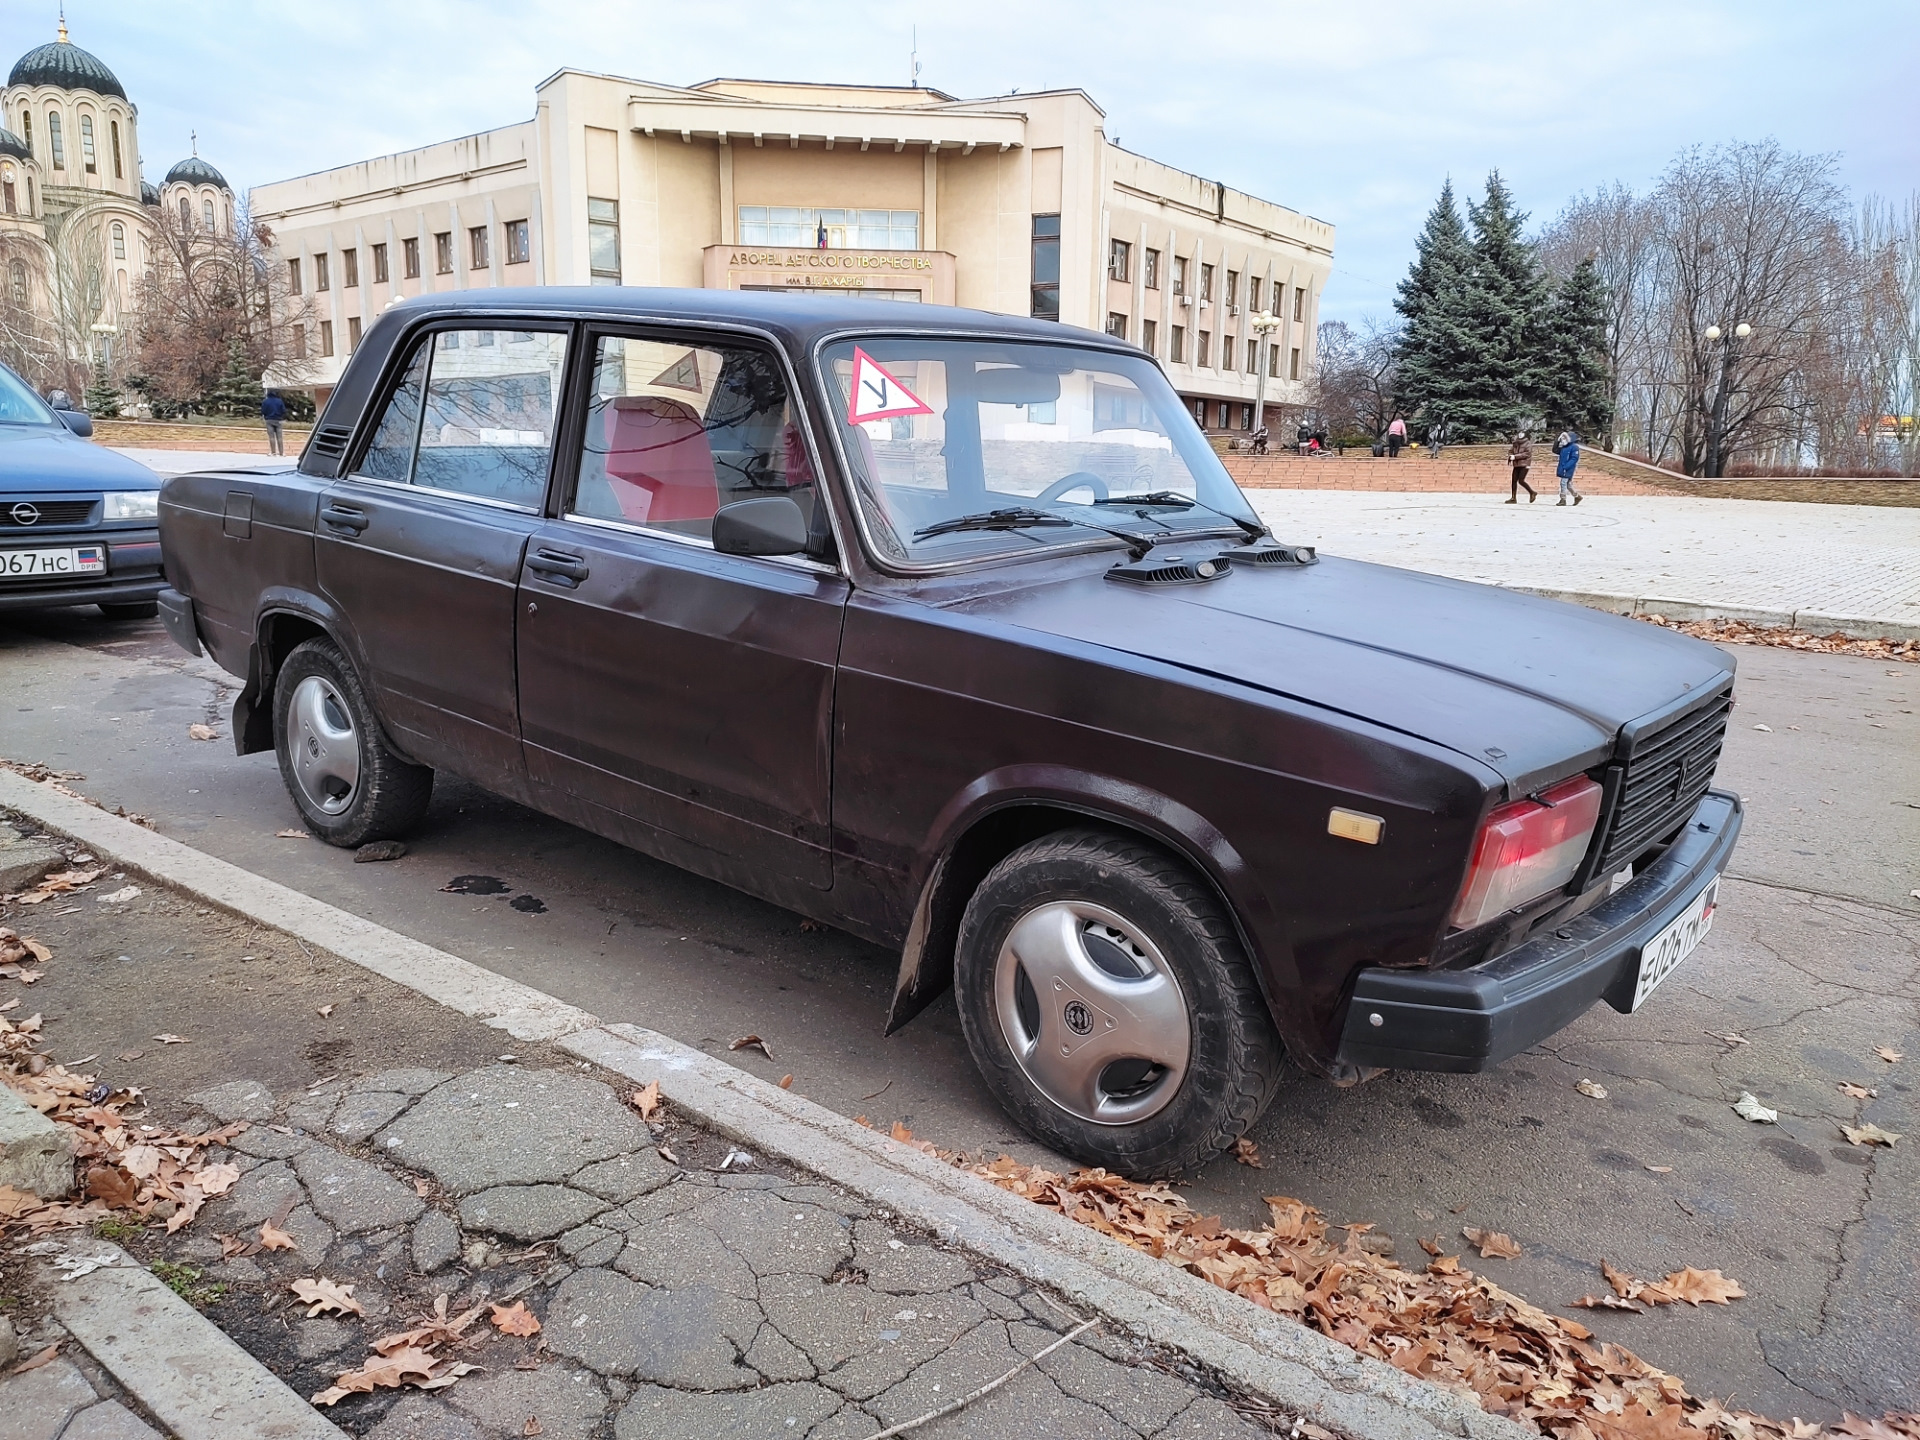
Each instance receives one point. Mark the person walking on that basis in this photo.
(1396, 437)
(1436, 438)
(273, 411)
(1567, 447)
(1520, 456)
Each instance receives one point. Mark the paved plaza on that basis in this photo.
(1820, 567)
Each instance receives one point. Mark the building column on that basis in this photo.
(729, 212)
(930, 198)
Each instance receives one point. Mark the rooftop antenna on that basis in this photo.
(913, 76)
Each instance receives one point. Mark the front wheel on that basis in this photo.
(1110, 1007)
(349, 785)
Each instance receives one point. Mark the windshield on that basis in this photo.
(18, 404)
(941, 431)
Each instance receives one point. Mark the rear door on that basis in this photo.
(420, 546)
(680, 698)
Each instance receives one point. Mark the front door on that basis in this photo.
(420, 547)
(673, 696)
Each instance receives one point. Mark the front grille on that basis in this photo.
(43, 514)
(1659, 782)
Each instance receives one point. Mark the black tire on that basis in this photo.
(132, 610)
(1232, 1066)
(385, 796)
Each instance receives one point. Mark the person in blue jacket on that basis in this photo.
(273, 410)
(1567, 447)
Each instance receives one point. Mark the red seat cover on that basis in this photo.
(659, 464)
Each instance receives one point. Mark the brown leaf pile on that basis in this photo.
(55, 780)
(411, 1358)
(1443, 1324)
(1740, 632)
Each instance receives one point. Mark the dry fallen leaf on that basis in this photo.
(216, 1179)
(44, 1357)
(1589, 1087)
(1729, 1038)
(1492, 1244)
(173, 1039)
(754, 1042)
(1696, 1287)
(668, 1155)
(1624, 1285)
(1858, 1092)
(786, 1082)
(533, 1426)
(290, 834)
(324, 1011)
(232, 1245)
(1747, 1107)
(203, 732)
(111, 1186)
(1888, 1054)
(646, 1100)
(321, 1294)
(515, 1319)
(274, 1238)
(1661, 1169)
(1605, 1302)
(1868, 1135)
(1433, 1246)
(1247, 1153)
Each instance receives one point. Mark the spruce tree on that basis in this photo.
(237, 392)
(1502, 319)
(1577, 388)
(101, 398)
(1423, 358)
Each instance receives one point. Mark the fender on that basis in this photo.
(926, 956)
(252, 707)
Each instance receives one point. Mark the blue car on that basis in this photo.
(79, 524)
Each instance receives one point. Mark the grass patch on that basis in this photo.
(186, 1281)
(116, 1229)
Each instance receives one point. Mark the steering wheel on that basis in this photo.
(1073, 482)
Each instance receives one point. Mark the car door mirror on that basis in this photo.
(764, 525)
(79, 423)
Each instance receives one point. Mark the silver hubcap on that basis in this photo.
(326, 752)
(1092, 1012)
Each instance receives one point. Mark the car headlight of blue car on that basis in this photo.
(131, 505)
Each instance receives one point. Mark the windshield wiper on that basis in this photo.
(1011, 518)
(1174, 500)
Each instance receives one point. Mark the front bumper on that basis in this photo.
(1475, 1018)
(132, 574)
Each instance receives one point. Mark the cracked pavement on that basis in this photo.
(1813, 960)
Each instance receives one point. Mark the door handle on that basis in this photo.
(344, 518)
(558, 567)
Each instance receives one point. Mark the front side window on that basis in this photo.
(603, 241)
(1046, 267)
(676, 429)
(87, 154)
(56, 140)
(473, 418)
(982, 425)
(519, 243)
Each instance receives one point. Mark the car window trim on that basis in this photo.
(567, 482)
(906, 569)
(400, 357)
(402, 487)
(628, 527)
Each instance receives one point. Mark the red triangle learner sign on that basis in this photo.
(878, 395)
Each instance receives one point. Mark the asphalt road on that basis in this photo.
(1814, 961)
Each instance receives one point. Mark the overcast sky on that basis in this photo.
(1350, 110)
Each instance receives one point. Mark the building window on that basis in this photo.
(293, 277)
(1253, 357)
(829, 229)
(1179, 275)
(206, 213)
(1149, 335)
(119, 233)
(1246, 417)
(26, 126)
(186, 213)
(7, 191)
(1177, 345)
(443, 251)
(113, 139)
(1202, 348)
(322, 276)
(477, 247)
(1045, 304)
(519, 243)
(349, 269)
(1293, 364)
(1233, 287)
(87, 155)
(56, 140)
(300, 341)
(1253, 292)
(1200, 413)
(1117, 325)
(1119, 254)
(1225, 412)
(603, 241)
(380, 276)
(30, 200)
(1150, 269)
(1300, 303)
(1206, 284)
(17, 279)
(326, 337)
(353, 333)
(410, 257)
(1273, 362)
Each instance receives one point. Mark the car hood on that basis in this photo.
(41, 458)
(1532, 688)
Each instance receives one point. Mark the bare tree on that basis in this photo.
(26, 339)
(1352, 385)
(1615, 229)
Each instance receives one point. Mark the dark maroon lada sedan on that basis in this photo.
(950, 630)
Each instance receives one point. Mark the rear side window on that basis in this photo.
(473, 415)
(677, 428)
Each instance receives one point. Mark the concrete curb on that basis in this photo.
(1815, 622)
(175, 1361)
(1276, 1359)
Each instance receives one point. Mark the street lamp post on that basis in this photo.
(1264, 322)
(1717, 416)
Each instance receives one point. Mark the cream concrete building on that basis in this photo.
(1015, 203)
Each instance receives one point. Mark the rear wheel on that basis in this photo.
(349, 785)
(132, 610)
(1110, 1007)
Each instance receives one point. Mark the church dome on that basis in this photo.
(148, 194)
(195, 171)
(66, 65)
(12, 144)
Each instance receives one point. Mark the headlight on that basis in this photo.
(132, 505)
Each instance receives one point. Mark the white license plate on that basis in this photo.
(1662, 955)
(42, 564)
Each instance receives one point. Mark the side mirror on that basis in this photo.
(77, 421)
(764, 525)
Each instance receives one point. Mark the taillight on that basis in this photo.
(1528, 849)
